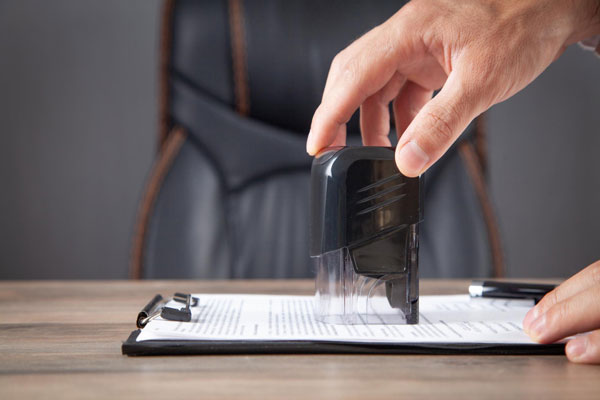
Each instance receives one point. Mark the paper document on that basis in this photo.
(443, 319)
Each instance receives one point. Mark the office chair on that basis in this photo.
(228, 194)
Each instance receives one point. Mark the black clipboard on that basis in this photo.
(132, 347)
(157, 306)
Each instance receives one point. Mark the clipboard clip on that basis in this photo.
(157, 307)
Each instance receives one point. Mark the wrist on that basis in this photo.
(586, 20)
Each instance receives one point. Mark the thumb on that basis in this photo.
(437, 125)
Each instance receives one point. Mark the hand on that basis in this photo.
(479, 52)
(571, 308)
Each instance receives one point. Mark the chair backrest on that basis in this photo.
(228, 196)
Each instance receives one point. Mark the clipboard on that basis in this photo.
(157, 306)
(131, 347)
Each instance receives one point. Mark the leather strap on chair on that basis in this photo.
(166, 39)
(238, 53)
(480, 140)
(168, 152)
(470, 156)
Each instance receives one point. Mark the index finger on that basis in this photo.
(577, 314)
(356, 73)
(579, 282)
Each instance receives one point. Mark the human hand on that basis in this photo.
(479, 52)
(571, 308)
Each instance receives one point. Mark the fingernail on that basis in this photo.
(538, 327)
(309, 142)
(529, 318)
(412, 159)
(576, 347)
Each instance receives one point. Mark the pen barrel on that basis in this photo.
(148, 310)
(512, 290)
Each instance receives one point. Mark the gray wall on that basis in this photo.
(77, 121)
(545, 169)
(78, 128)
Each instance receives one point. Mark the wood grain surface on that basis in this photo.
(62, 339)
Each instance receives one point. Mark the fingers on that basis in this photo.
(579, 282)
(585, 348)
(571, 308)
(375, 113)
(408, 103)
(357, 73)
(438, 124)
(580, 313)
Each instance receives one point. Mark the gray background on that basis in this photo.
(78, 105)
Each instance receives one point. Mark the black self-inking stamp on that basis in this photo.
(364, 237)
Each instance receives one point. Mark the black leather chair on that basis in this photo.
(228, 196)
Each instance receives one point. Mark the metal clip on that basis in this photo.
(157, 307)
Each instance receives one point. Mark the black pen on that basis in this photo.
(509, 290)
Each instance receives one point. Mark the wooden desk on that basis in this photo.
(63, 340)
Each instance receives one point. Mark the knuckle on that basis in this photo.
(349, 70)
(411, 11)
(346, 67)
(439, 124)
(557, 314)
(595, 272)
(549, 299)
(342, 63)
(347, 63)
(337, 62)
